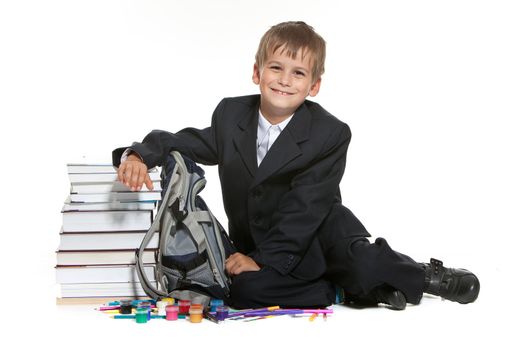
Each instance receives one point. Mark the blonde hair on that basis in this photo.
(293, 37)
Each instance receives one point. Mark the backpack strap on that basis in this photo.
(184, 206)
(144, 281)
(193, 222)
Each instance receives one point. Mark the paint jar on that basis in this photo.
(161, 305)
(126, 306)
(184, 306)
(171, 312)
(146, 305)
(196, 306)
(222, 313)
(169, 301)
(214, 304)
(195, 315)
(141, 315)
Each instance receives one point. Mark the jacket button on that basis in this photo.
(258, 220)
(257, 192)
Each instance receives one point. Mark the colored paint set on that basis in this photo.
(143, 311)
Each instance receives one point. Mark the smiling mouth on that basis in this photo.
(283, 93)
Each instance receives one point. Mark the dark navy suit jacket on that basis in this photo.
(276, 210)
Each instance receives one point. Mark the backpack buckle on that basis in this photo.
(180, 215)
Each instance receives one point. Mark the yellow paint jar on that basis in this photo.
(196, 315)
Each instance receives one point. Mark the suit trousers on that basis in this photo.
(353, 263)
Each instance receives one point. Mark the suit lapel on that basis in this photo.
(285, 148)
(245, 141)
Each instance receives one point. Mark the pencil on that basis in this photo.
(121, 317)
(244, 312)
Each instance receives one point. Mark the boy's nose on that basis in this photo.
(284, 79)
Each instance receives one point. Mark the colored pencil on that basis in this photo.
(243, 312)
(118, 317)
(287, 312)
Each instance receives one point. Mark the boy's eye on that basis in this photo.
(275, 67)
(300, 73)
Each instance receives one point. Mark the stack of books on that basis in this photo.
(103, 223)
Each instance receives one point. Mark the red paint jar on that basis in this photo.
(184, 306)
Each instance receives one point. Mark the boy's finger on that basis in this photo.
(135, 176)
(141, 179)
(229, 265)
(148, 182)
(238, 270)
(120, 173)
(127, 175)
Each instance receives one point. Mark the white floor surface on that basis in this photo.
(434, 324)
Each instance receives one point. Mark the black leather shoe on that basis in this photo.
(381, 295)
(392, 297)
(458, 285)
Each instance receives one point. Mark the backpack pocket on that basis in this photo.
(181, 277)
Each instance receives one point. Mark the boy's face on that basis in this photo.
(284, 84)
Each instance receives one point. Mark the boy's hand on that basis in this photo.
(133, 173)
(238, 263)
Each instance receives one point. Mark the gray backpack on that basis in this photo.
(193, 246)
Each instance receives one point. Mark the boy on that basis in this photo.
(281, 159)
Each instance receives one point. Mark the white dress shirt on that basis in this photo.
(266, 135)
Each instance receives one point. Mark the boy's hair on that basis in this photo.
(293, 36)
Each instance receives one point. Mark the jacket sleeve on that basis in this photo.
(200, 145)
(303, 208)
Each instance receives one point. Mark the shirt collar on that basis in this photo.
(264, 125)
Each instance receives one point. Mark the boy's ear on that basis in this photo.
(256, 74)
(314, 90)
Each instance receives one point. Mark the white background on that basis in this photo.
(427, 87)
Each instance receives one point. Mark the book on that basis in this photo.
(69, 206)
(87, 290)
(104, 177)
(94, 300)
(104, 187)
(104, 240)
(103, 224)
(83, 168)
(101, 274)
(97, 168)
(115, 197)
(114, 220)
(102, 257)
